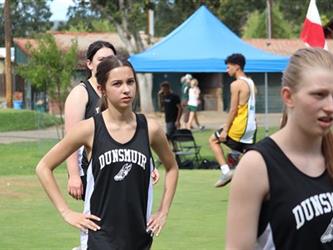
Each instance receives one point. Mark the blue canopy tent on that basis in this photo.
(201, 44)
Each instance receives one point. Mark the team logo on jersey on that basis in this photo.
(328, 235)
(123, 172)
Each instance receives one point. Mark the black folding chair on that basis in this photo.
(186, 151)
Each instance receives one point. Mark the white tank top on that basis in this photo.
(193, 96)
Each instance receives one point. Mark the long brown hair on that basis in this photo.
(102, 74)
(304, 60)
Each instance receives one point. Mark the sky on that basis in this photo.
(58, 8)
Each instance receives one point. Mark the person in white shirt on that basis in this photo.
(193, 103)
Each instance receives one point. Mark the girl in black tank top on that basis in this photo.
(83, 103)
(281, 196)
(118, 201)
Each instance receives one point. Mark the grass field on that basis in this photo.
(29, 221)
(13, 120)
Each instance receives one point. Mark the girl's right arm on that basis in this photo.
(249, 187)
(81, 135)
(75, 107)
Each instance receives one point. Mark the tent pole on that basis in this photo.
(266, 104)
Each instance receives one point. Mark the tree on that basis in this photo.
(234, 13)
(29, 17)
(256, 25)
(129, 19)
(170, 14)
(83, 18)
(50, 69)
(295, 13)
(288, 18)
(95, 25)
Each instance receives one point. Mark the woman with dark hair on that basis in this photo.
(119, 186)
(82, 103)
(281, 195)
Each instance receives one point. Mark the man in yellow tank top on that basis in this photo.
(239, 130)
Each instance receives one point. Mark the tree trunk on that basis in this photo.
(145, 88)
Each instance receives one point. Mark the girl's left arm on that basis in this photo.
(160, 145)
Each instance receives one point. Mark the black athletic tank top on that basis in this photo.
(92, 106)
(119, 189)
(299, 212)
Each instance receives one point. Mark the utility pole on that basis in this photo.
(150, 19)
(8, 64)
(269, 19)
(269, 36)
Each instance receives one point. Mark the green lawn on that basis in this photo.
(21, 158)
(14, 120)
(29, 221)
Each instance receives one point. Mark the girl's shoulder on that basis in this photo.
(79, 93)
(152, 123)
(154, 128)
(81, 132)
(252, 164)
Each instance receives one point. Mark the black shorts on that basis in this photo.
(234, 145)
(170, 129)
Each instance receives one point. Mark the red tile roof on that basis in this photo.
(282, 46)
(84, 39)
(23, 44)
(63, 40)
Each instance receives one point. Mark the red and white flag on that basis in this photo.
(313, 33)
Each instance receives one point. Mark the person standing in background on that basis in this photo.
(82, 103)
(185, 86)
(172, 108)
(193, 103)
